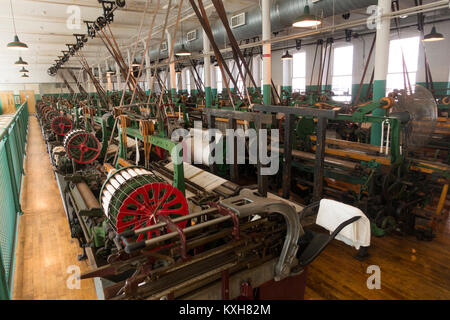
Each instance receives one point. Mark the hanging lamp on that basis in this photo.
(23, 70)
(16, 44)
(306, 20)
(21, 62)
(287, 56)
(183, 52)
(433, 36)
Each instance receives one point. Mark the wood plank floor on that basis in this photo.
(410, 269)
(44, 247)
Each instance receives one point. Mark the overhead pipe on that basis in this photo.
(282, 14)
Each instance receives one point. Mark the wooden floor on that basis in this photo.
(45, 249)
(410, 269)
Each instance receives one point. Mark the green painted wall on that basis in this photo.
(440, 87)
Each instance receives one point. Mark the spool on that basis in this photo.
(81, 146)
(61, 125)
(132, 197)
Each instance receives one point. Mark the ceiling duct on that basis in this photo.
(282, 14)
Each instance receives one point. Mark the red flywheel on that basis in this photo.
(82, 147)
(142, 207)
(61, 125)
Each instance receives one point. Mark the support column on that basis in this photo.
(118, 79)
(230, 67)
(184, 88)
(173, 81)
(361, 49)
(193, 88)
(287, 77)
(129, 58)
(108, 77)
(214, 81)
(266, 34)
(256, 71)
(207, 71)
(100, 76)
(148, 76)
(381, 66)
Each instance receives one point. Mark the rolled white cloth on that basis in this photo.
(333, 213)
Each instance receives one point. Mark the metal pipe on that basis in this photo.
(341, 7)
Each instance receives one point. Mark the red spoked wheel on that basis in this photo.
(83, 147)
(140, 208)
(61, 125)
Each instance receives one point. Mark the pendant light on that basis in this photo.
(16, 44)
(183, 52)
(433, 36)
(20, 62)
(287, 56)
(25, 75)
(23, 70)
(306, 20)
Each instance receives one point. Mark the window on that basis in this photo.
(188, 80)
(341, 83)
(299, 72)
(410, 48)
(219, 80)
(201, 73)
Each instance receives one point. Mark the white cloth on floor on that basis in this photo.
(333, 213)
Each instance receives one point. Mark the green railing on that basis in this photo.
(13, 137)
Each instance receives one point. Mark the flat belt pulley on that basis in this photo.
(81, 146)
(61, 125)
(133, 197)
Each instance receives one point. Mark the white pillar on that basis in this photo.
(207, 70)
(287, 72)
(381, 65)
(148, 75)
(173, 82)
(256, 69)
(100, 76)
(213, 77)
(118, 78)
(184, 87)
(192, 82)
(382, 49)
(266, 35)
